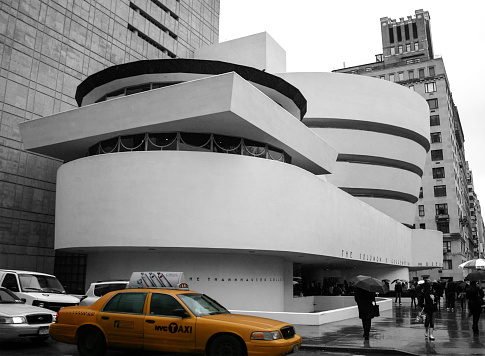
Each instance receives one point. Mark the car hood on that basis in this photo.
(252, 321)
(50, 297)
(16, 309)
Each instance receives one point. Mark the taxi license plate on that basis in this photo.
(44, 330)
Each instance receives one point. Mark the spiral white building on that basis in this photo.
(208, 169)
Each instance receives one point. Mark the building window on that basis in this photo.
(431, 71)
(411, 74)
(422, 226)
(401, 76)
(430, 87)
(382, 77)
(408, 47)
(440, 190)
(399, 49)
(446, 246)
(393, 51)
(434, 120)
(391, 77)
(421, 193)
(368, 69)
(438, 173)
(444, 227)
(421, 72)
(433, 103)
(441, 209)
(447, 264)
(416, 46)
(391, 34)
(421, 210)
(399, 34)
(436, 155)
(411, 87)
(435, 137)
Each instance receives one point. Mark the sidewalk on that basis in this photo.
(395, 332)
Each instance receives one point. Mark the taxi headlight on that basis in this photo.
(13, 320)
(265, 335)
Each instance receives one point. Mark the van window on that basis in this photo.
(40, 283)
(10, 282)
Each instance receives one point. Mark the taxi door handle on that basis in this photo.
(150, 321)
(105, 317)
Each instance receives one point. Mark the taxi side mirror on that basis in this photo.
(182, 313)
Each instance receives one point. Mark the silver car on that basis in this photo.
(18, 320)
(97, 289)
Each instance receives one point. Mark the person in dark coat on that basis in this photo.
(474, 294)
(450, 292)
(398, 290)
(430, 306)
(413, 294)
(365, 300)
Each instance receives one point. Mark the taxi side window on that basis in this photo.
(10, 282)
(126, 303)
(163, 304)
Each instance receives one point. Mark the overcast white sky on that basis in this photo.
(322, 35)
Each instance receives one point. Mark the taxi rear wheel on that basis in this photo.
(91, 343)
(226, 345)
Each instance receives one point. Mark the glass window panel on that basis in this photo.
(110, 145)
(132, 143)
(126, 303)
(227, 144)
(163, 304)
(255, 149)
(115, 94)
(275, 154)
(162, 141)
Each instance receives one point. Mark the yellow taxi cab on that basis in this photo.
(157, 312)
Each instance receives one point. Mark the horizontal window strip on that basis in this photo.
(368, 126)
(380, 161)
(380, 193)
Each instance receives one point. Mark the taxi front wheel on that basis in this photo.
(91, 342)
(226, 345)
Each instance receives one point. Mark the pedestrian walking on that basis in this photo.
(365, 300)
(398, 290)
(413, 294)
(474, 294)
(430, 306)
(450, 293)
(460, 290)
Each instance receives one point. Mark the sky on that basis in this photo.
(322, 35)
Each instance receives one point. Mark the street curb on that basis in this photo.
(360, 350)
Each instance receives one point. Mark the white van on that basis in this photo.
(38, 289)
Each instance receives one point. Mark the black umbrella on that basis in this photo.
(394, 281)
(385, 280)
(476, 275)
(369, 284)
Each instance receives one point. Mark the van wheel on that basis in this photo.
(91, 342)
(226, 345)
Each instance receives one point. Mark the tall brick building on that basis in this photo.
(47, 48)
(444, 201)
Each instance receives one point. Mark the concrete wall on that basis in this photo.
(259, 51)
(382, 121)
(199, 199)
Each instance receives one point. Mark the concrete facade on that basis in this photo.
(47, 48)
(230, 187)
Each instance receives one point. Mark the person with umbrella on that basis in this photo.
(475, 295)
(398, 290)
(450, 292)
(430, 306)
(365, 289)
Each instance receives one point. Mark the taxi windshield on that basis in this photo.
(40, 283)
(202, 305)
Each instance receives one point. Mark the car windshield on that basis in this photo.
(40, 283)
(201, 305)
(8, 297)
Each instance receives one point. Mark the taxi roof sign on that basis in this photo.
(170, 280)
